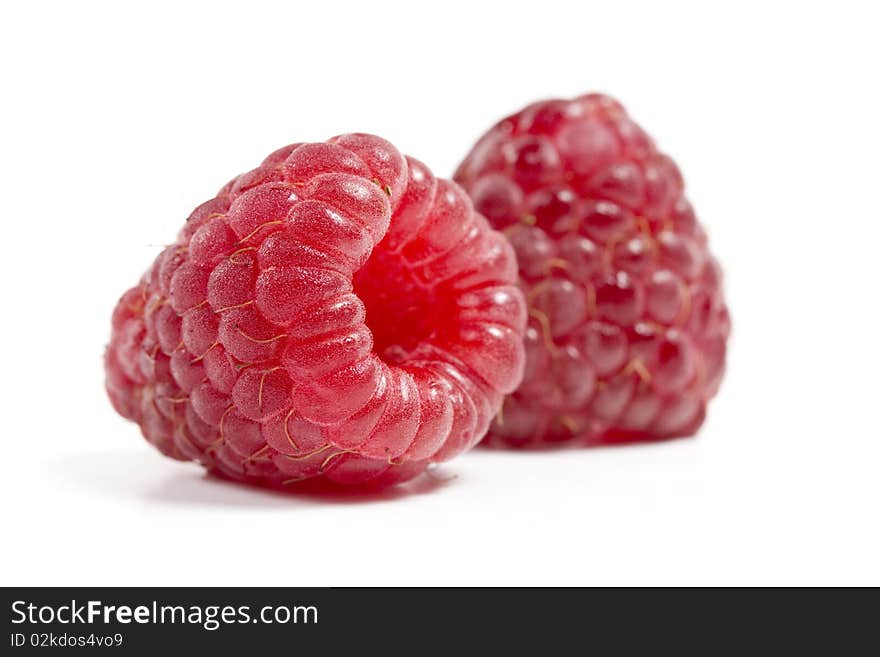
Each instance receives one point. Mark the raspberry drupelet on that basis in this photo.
(336, 312)
(627, 327)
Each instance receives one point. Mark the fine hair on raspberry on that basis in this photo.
(628, 326)
(337, 312)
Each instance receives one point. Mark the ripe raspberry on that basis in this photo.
(627, 323)
(337, 311)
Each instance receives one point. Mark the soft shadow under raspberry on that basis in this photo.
(130, 473)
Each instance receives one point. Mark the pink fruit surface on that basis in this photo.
(336, 312)
(628, 326)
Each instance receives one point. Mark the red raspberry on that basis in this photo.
(627, 323)
(337, 311)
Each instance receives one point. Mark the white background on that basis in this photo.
(117, 121)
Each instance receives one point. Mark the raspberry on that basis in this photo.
(627, 324)
(337, 311)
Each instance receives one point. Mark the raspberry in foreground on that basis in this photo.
(337, 312)
(627, 323)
